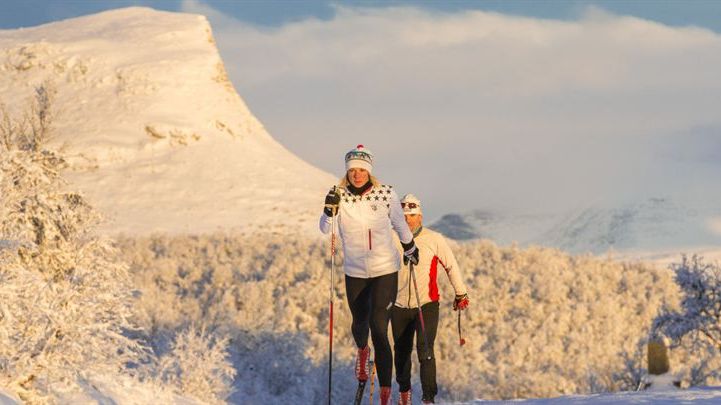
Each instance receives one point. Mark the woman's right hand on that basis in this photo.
(332, 200)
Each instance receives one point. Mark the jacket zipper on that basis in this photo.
(370, 243)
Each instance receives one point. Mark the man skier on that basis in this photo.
(433, 253)
(368, 213)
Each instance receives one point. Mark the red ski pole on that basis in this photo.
(330, 300)
(461, 340)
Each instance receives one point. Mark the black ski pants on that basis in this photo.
(406, 324)
(370, 301)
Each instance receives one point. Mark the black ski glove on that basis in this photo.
(410, 252)
(331, 203)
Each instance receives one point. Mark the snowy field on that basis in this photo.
(700, 396)
(690, 396)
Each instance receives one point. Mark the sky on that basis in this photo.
(524, 106)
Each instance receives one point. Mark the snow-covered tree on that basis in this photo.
(700, 313)
(696, 325)
(65, 300)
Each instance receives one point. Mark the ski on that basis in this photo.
(373, 377)
(362, 385)
(359, 392)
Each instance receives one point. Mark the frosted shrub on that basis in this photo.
(541, 322)
(65, 300)
(197, 365)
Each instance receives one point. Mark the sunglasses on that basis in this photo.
(409, 205)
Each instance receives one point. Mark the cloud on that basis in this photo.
(714, 225)
(477, 109)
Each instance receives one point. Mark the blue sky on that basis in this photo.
(527, 106)
(703, 13)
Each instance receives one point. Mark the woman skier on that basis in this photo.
(367, 214)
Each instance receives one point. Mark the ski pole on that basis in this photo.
(420, 314)
(373, 376)
(461, 341)
(330, 299)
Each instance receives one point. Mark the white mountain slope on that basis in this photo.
(658, 229)
(158, 138)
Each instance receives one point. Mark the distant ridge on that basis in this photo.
(649, 227)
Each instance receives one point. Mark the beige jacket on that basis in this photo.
(434, 253)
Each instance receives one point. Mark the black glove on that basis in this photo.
(410, 252)
(331, 203)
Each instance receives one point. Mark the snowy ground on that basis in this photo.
(695, 396)
(710, 395)
(112, 390)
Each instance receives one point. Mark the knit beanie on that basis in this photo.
(360, 157)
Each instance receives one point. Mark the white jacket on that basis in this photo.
(365, 224)
(433, 250)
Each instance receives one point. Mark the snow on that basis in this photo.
(120, 392)
(7, 398)
(116, 389)
(157, 136)
(656, 230)
(661, 397)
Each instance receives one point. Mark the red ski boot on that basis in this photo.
(361, 363)
(385, 395)
(404, 398)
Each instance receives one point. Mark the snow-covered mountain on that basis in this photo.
(502, 228)
(157, 136)
(649, 228)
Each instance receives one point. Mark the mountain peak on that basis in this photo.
(155, 132)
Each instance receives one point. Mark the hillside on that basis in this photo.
(157, 136)
(654, 229)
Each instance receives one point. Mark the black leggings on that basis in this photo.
(370, 300)
(406, 325)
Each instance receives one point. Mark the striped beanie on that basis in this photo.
(360, 157)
